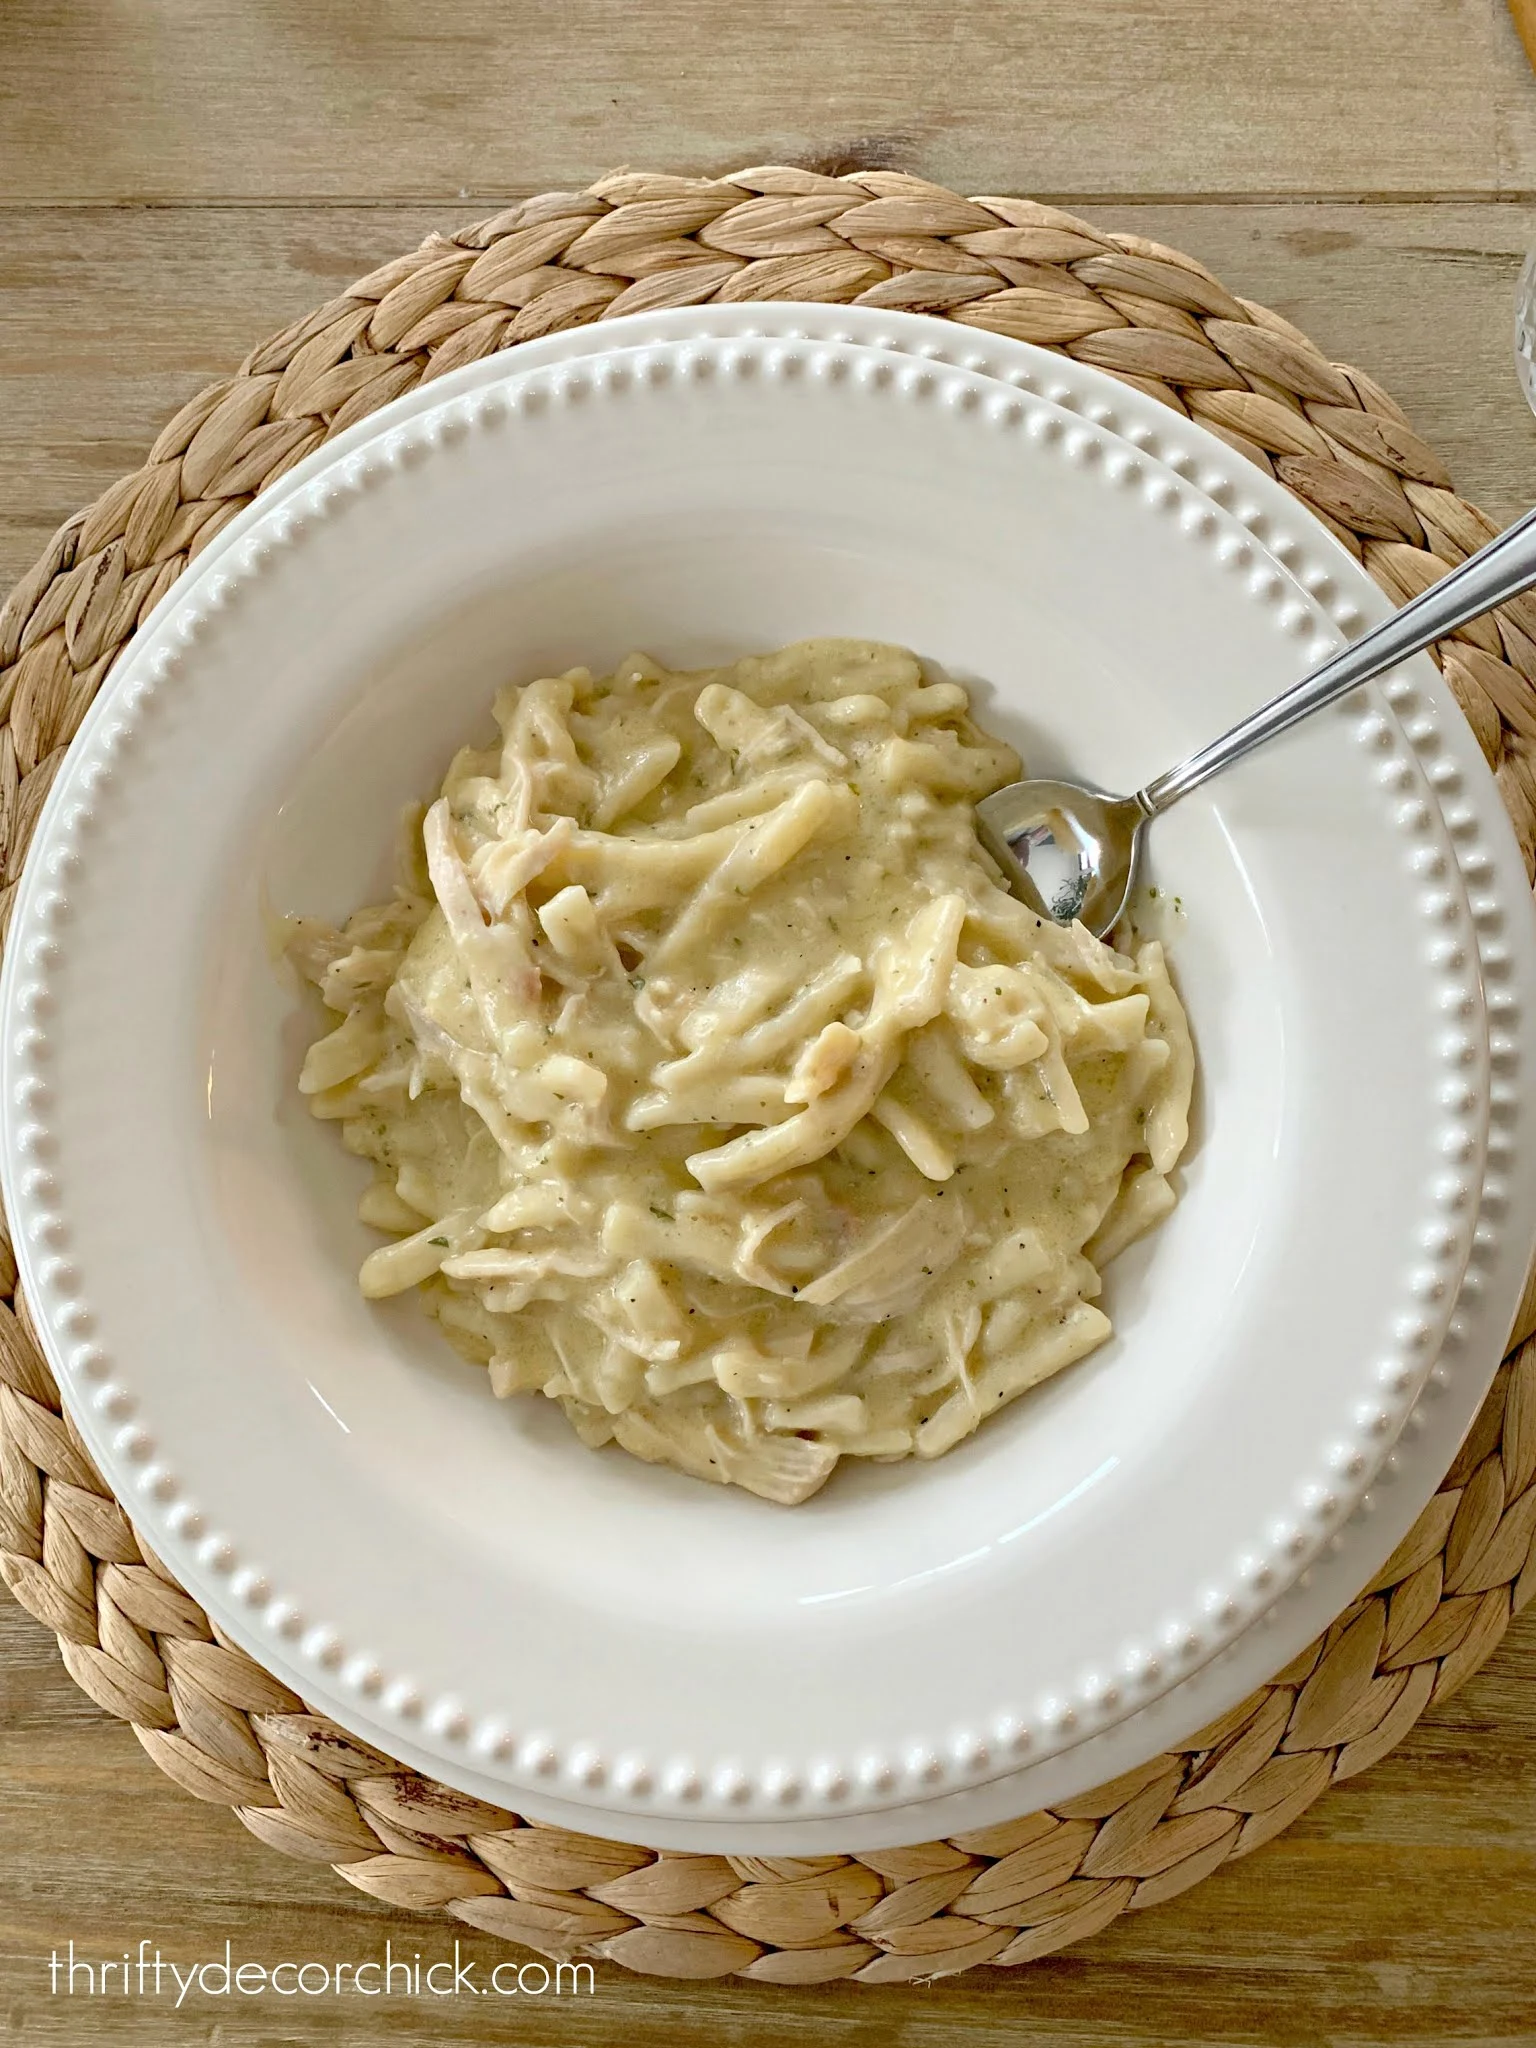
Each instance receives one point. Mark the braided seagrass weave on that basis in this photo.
(229, 1733)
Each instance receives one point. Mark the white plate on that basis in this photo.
(1479, 1327)
(608, 1629)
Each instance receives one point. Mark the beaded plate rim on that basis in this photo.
(683, 1786)
(1266, 512)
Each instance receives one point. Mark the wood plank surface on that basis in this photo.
(178, 177)
(289, 99)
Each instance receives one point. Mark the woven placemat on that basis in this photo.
(143, 1649)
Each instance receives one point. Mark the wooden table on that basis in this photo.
(177, 180)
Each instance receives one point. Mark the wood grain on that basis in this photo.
(289, 99)
(175, 181)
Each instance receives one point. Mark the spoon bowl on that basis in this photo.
(1072, 852)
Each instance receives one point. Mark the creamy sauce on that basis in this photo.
(716, 1088)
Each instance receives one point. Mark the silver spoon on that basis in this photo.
(1072, 851)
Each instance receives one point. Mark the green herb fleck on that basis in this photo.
(439, 1240)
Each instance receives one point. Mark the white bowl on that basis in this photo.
(328, 1477)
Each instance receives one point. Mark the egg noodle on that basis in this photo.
(716, 1088)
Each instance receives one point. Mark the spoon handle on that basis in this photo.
(1502, 569)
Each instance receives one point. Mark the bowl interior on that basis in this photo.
(1070, 685)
